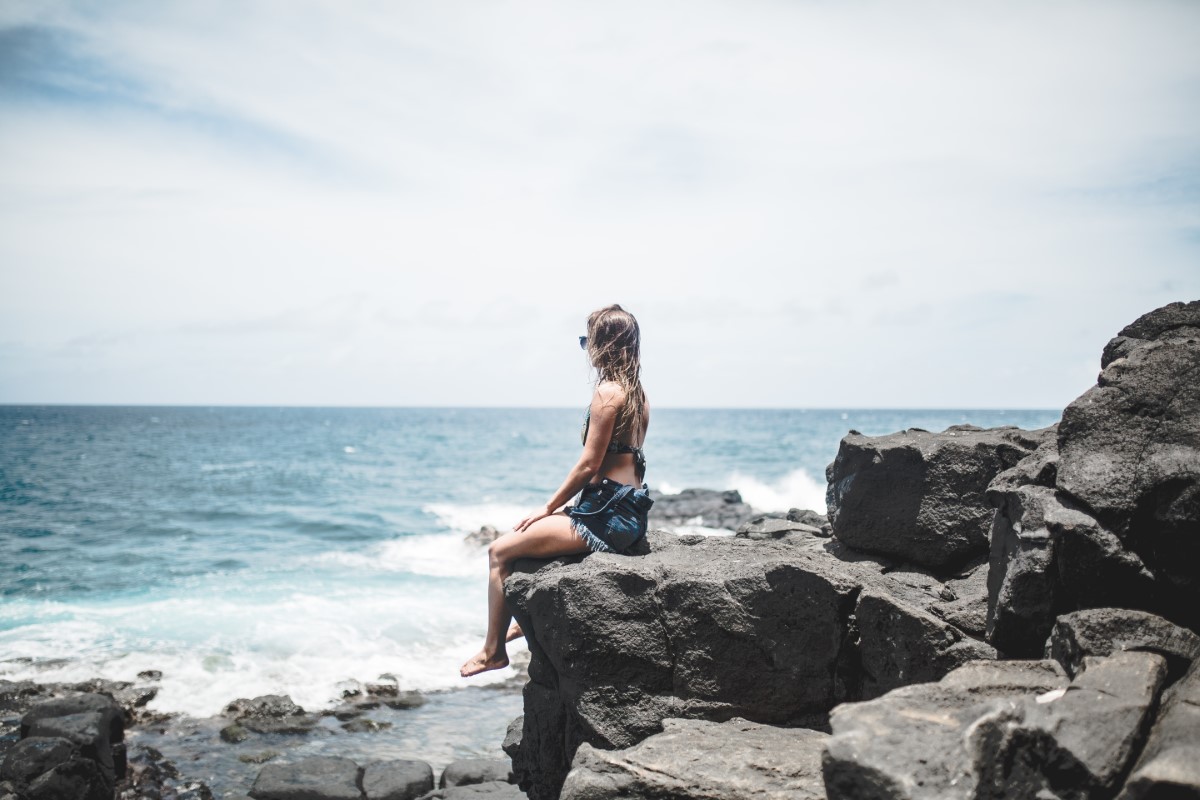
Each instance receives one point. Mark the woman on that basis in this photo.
(612, 509)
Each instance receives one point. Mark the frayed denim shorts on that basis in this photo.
(610, 517)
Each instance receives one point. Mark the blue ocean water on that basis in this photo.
(245, 551)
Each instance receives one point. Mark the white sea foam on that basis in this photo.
(442, 555)
(464, 519)
(215, 648)
(797, 489)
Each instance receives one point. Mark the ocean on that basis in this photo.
(250, 551)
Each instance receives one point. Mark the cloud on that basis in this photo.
(769, 186)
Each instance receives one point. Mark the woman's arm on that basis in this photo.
(609, 397)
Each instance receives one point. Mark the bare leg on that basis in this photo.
(514, 632)
(548, 537)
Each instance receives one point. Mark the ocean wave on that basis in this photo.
(212, 650)
(468, 518)
(437, 555)
(796, 489)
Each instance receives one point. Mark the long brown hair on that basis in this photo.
(615, 349)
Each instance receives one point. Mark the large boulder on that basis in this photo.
(1129, 450)
(734, 760)
(397, 780)
(312, 778)
(919, 496)
(775, 632)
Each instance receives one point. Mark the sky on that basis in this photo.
(806, 204)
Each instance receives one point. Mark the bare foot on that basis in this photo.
(514, 632)
(481, 663)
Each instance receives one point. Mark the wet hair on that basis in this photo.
(615, 350)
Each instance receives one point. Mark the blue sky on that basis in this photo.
(807, 204)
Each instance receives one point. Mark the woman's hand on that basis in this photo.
(544, 511)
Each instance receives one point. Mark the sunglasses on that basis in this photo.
(583, 343)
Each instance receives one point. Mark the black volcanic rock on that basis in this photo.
(919, 496)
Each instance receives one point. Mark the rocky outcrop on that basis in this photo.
(1109, 513)
(704, 507)
(918, 496)
(334, 778)
(734, 760)
(774, 632)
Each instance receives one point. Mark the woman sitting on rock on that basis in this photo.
(610, 515)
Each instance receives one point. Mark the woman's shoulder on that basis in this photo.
(610, 392)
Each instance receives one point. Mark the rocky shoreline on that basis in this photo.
(983, 613)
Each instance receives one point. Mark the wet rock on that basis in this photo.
(19, 695)
(397, 780)
(150, 675)
(734, 760)
(364, 725)
(271, 714)
(919, 496)
(234, 734)
(259, 758)
(405, 699)
(34, 755)
(912, 741)
(705, 507)
(313, 778)
(476, 770)
(110, 716)
(1103, 631)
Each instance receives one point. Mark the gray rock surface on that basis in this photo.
(734, 760)
(705, 507)
(397, 780)
(919, 496)
(313, 778)
(476, 770)
(1169, 766)
(912, 742)
(714, 628)
(1103, 631)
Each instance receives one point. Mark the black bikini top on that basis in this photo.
(639, 458)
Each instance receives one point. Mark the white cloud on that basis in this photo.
(806, 204)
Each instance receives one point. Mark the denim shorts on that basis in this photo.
(610, 517)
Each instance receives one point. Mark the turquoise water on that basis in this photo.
(243, 551)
